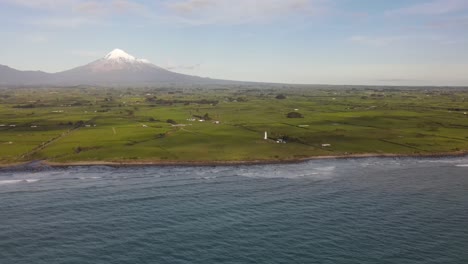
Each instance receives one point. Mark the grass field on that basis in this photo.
(163, 124)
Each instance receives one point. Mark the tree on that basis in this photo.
(206, 117)
(151, 99)
(280, 96)
(79, 123)
(294, 115)
(170, 121)
(78, 149)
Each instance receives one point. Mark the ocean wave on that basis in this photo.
(89, 178)
(291, 173)
(207, 178)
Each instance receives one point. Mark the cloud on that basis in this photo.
(90, 8)
(190, 6)
(36, 38)
(83, 7)
(42, 4)
(87, 53)
(434, 7)
(450, 22)
(114, 7)
(124, 6)
(200, 12)
(383, 41)
(398, 81)
(185, 12)
(376, 41)
(77, 13)
(64, 22)
(182, 67)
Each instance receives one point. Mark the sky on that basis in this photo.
(372, 42)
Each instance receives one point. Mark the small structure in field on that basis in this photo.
(216, 122)
(326, 145)
(266, 136)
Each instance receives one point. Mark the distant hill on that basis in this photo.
(116, 68)
(11, 76)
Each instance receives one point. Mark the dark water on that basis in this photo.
(329, 211)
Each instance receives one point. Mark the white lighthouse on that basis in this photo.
(266, 136)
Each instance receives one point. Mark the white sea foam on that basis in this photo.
(5, 182)
(208, 177)
(31, 180)
(462, 165)
(329, 168)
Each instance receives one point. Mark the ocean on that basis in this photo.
(368, 210)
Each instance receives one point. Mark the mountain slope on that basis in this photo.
(116, 68)
(10, 76)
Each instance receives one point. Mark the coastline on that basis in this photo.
(137, 163)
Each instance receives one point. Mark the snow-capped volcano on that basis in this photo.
(121, 68)
(121, 56)
(115, 68)
(119, 60)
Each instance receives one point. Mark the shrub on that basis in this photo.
(280, 96)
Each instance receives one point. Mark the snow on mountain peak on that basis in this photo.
(119, 54)
(144, 60)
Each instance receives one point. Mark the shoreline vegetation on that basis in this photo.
(156, 163)
(228, 125)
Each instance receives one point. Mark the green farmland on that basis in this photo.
(86, 124)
